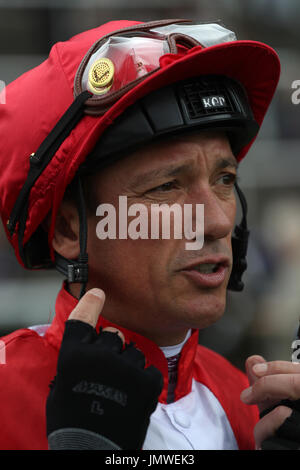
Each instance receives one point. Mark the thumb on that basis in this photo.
(89, 307)
(250, 362)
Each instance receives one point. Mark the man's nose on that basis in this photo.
(219, 214)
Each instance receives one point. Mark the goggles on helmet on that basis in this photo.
(119, 61)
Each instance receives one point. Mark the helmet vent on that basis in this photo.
(206, 97)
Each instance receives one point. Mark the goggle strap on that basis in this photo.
(83, 257)
(187, 41)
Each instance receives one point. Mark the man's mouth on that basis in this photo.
(208, 274)
(207, 268)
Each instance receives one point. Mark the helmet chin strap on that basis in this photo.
(239, 242)
(76, 271)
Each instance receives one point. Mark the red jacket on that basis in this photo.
(31, 365)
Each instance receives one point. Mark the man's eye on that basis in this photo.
(228, 179)
(164, 187)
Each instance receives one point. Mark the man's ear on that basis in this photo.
(66, 235)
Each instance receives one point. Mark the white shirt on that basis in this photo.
(196, 421)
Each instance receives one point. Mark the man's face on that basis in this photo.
(157, 287)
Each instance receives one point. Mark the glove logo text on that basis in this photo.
(96, 408)
(101, 390)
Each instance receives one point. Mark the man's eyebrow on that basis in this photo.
(175, 170)
(169, 171)
(226, 162)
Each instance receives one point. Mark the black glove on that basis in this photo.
(102, 396)
(287, 436)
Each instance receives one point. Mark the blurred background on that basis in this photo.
(264, 318)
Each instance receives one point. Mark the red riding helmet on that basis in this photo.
(111, 86)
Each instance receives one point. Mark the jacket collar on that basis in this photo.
(65, 303)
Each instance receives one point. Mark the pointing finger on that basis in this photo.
(89, 307)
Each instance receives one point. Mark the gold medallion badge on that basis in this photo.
(101, 76)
